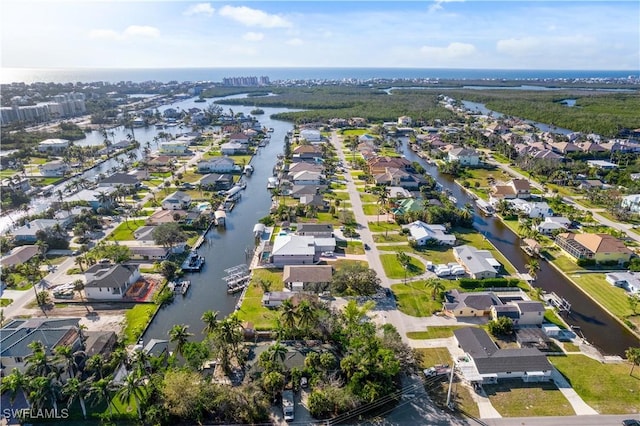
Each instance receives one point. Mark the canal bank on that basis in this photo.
(600, 328)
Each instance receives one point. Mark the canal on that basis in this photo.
(226, 248)
(598, 327)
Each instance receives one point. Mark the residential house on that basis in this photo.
(317, 201)
(314, 278)
(307, 178)
(404, 121)
(588, 184)
(564, 147)
(160, 162)
(144, 234)
(239, 138)
(216, 182)
(54, 146)
(107, 281)
(293, 250)
(319, 230)
(158, 348)
(27, 234)
(218, 165)
(532, 209)
(628, 280)
(379, 165)
(478, 263)
(15, 183)
(471, 304)
(177, 201)
(19, 255)
(174, 147)
(598, 247)
(591, 147)
(552, 224)
(422, 233)
(547, 155)
(515, 188)
(465, 156)
(96, 198)
(294, 168)
(115, 180)
(18, 334)
(232, 148)
(53, 169)
(631, 202)
(485, 363)
(397, 192)
(602, 164)
(311, 135)
(408, 205)
(146, 252)
(306, 152)
(298, 191)
(166, 216)
(523, 313)
(367, 139)
(398, 177)
(273, 299)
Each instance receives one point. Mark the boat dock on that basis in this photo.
(193, 263)
(237, 278)
(180, 287)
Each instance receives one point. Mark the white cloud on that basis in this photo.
(251, 36)
(254, 17)
(295, 42)
(131, 32)
(540, 45)
(200, 8)
(437, 4)
(454, 50)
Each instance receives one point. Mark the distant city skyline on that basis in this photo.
(581, 35)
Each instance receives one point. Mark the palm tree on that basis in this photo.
(14, 383)
(74, 389)
(65, 354)
(288, 315)
(532, 267)
(132, 388)
(37, 362)
(436, 287)
(405, 260)
(179, 335)
(306, 315)
(43, 389)
(210, 320)
(101, 390)
(94, 364)
(277, 352)
(140, 362)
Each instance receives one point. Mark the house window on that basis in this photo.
(18, 359)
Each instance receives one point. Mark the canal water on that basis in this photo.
(226, 248)
(598, 327)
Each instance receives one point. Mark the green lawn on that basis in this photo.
(383, 226)
(5, 302)
(514, 398)
(351, 247)
(124, 231)
(434, 356)
(613, 298)
(551, 316)
(394, 269)
(415, 298)
(607, 388)
(7, 173)
(434, 332)
(136, 320)
(368, 198)
(390, 238)
(339, 195)
(356, 132)
(564, 262)
(570, 347)
(251, 309)
(372, 209)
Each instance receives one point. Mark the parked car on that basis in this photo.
(630, 422)
(436, 370)
(327, 253)
(366, 246)
(304, 382)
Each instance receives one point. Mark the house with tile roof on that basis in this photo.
(598, 247)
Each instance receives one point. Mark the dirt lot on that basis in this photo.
(96, 316)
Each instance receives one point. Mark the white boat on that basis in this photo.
(485, 207)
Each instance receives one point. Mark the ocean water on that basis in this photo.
(59, 75)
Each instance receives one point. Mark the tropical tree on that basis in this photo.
(94, 364)
(288, 317)
(14, 383)
(532, 267)
(132, 388)
(633, 357)
(38, 363)
(436, 286)
(405, 260)
(75, 388)
(179, 334)
(306, 315)
(43, 390)
(210, 320)
(66, 354)
(101, 390)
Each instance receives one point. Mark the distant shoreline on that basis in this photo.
(66, 75)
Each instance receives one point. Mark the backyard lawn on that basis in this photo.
(441, 332)
(607, 388)
(394, 269)
(251, 309)
(383, 226)
(368, 198)
(515, 398)
(136, 320)
(372, 209)
(390, 238)
(415, 299)
(124, 231)
(352, 247)
(613, 298)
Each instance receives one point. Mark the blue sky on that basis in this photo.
(425, 34)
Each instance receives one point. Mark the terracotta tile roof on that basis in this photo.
(520, 184)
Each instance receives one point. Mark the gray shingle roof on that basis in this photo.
(109, 276)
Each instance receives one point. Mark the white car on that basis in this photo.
(327, 253)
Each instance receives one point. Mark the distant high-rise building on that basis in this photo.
(60, 106)
(245, 81)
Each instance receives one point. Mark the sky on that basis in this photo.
(517, 34)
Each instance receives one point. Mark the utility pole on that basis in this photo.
(449, 403)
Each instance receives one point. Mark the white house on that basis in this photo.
(552, 224)
(293, 250)
(531, 208)
(478, 263)
(177, 201)
(53, 169)
(231, 148)
(106, 281)
(218, 165)
(239, 138)
(404, 121)
(311, 135)
(307, 177)
(53, 145)
(465, 156)
(274, 299)
(631, 202)
(628, 280)
(173, 147)
(422, 232)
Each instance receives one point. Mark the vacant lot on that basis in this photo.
(514, 398)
